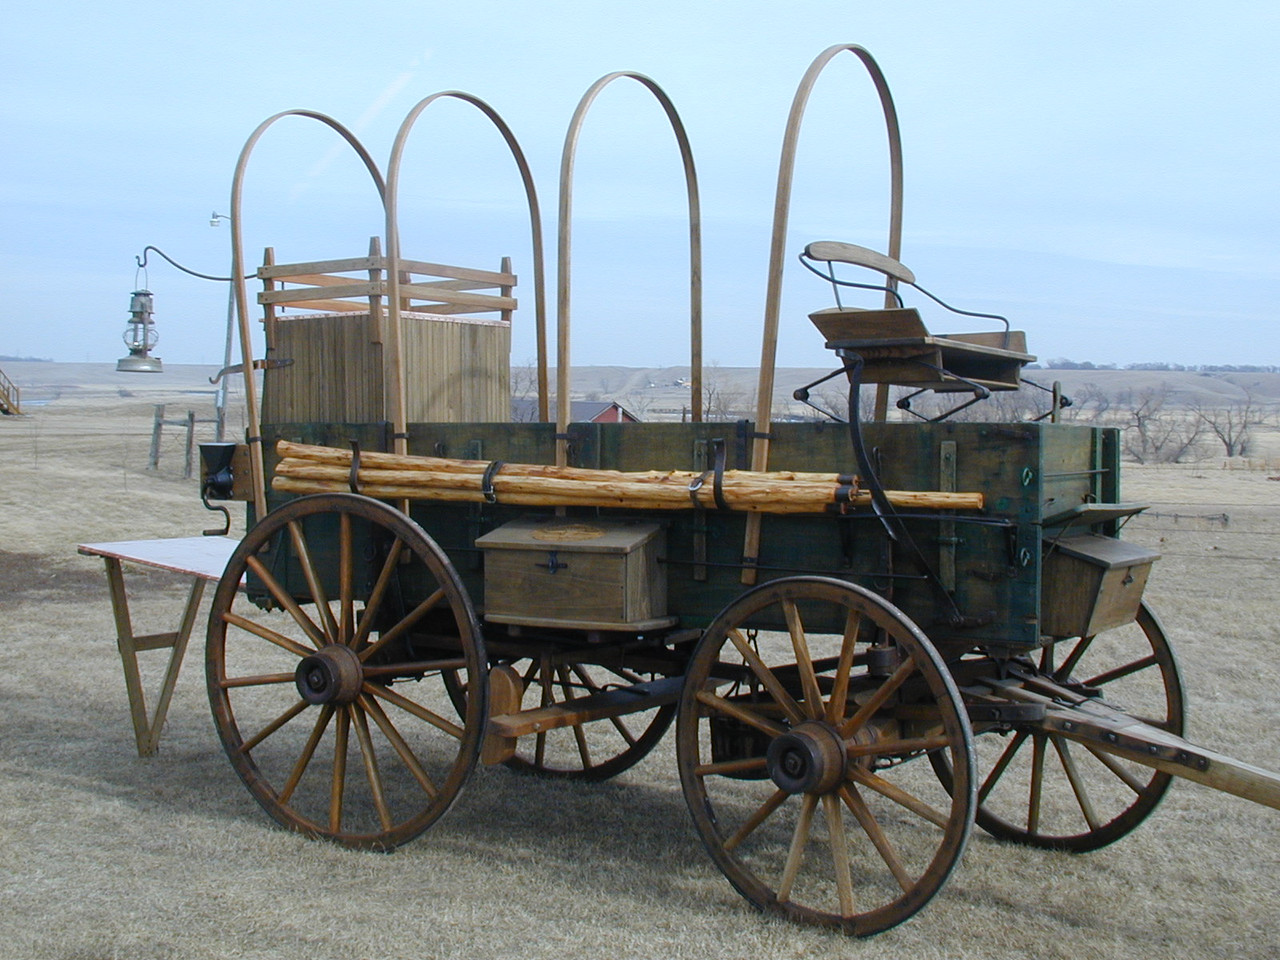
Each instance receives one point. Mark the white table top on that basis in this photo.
(204, 557)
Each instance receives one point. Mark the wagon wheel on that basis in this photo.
(592, 751)
(588, 751)
(802, 704)
(329, 702)
(1046, 791)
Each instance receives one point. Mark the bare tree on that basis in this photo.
(1232, 423)
(524, 392)
(1090, 403)
(720, 402)
(1153, 430)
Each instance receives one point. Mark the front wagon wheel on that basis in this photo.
(326, 679)
(804, 703)
(1045, 790)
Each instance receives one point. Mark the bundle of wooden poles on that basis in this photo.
(304, 468)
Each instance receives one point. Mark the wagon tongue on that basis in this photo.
(1103, 728)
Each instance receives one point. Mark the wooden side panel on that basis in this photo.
(334, 374)
(456, 370)
(1021, 469)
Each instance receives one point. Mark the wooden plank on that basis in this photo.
(458, 273)
(320, 279)
(449, 309)
(839, 252)
(325, 306)
(597, 706)
(457, 285)
(320, 266)
(363, 288)
(486, 301)
(1116, 733)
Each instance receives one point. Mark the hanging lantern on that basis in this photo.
(140, 337)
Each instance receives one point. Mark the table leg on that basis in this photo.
(147, 732)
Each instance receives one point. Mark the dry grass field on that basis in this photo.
(106, 855)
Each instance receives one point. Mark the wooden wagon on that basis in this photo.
(871, 635)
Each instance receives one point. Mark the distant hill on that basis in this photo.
(662, 391)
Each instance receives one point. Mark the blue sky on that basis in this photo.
(1103, 173)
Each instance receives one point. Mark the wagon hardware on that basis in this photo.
(871, 635)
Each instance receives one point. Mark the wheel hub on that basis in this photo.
(333, 674)
(808, 759)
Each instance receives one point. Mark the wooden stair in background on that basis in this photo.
(10, 396)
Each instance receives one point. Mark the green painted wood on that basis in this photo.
(1025, 471)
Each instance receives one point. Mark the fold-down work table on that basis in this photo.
(203, 559)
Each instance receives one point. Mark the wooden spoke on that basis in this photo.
(1077, 784)
(405, 625)
(338, 782)
(762, 813)
(1073, 658)
(896, 747)
(257, 680)
(266, 633)
(740, 713)
(593, 687)
(308, 751)
(839, 853)
(398, 743)
(840, 689)
(285, 600)
(414, 668)
(273, 726)
(1102, 679)
(361, 723)
(1037, 782)
(1005, 758)
(346, 580)
(878, 699)
(1134, 783)
(799, 840)
(899, 796)
(875, 833)
(409, 706)
(578, 733)
(314, 584)
(729, 767)
(374, 603)
(767, 677)
(540, 748)
(804, 660)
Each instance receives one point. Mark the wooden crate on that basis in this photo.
(1092, 583)
(586, 575)
(456, 369)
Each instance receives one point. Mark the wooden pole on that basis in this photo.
(191, 436)
(777, 252)
(153, 459)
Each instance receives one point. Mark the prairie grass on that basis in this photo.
(106, 855)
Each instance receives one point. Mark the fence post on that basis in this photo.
(191, 433)
(153, 462)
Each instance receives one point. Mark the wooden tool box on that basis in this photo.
(1092, 583)
(589, 575)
